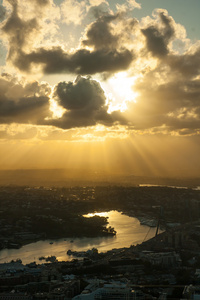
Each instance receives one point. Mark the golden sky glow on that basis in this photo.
(108, 86)
(121, 91)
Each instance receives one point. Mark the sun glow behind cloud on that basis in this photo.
(57, 110)
(120, 90)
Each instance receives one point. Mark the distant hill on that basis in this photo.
(64, 177)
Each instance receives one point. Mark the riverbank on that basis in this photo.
(129, 232)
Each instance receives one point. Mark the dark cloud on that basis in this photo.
(158, 37)
(22, 55)
(18, 31)
(186, 65)
(84, 93)
(167, 21)
(174, 104)
(31, 110)
(42, 2)
(83, 99)
(82, 62)
(23, 103)
(99, 61)
(155, 42)
(99, 34)
(110, 31)
(85, 102)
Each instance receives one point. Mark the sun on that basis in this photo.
(56, 109)
(120, 91)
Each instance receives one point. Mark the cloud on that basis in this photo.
(73, 11)
(23, 102)
(15, 131)
(111, 31)
(166, 99)
(28, 54)
(168, 85)
(42, 2)
(159, 33)
(27, 26)
(97, 2)
(84, 93)
(83, 62)
(85, 104)
(2, 12)
(18, 31)
(99, 33)
(97, 10)
(76, 12)
(128, 5)
(186, 65)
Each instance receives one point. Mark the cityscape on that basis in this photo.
(158, 267)
(99, 149)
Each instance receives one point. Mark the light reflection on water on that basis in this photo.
(129, 232)
(100, 214)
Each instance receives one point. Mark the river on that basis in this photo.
(129, 232)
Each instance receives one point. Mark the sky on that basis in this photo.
(111, 86)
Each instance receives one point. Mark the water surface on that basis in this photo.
(129, 232)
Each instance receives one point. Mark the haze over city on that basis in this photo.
(104, 86)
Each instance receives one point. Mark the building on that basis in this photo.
(13, 296)
(191, 292)
(109, 291)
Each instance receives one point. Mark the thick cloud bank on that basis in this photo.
(21, 35)
(154, 52)
(23, 103)
(85, 104)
